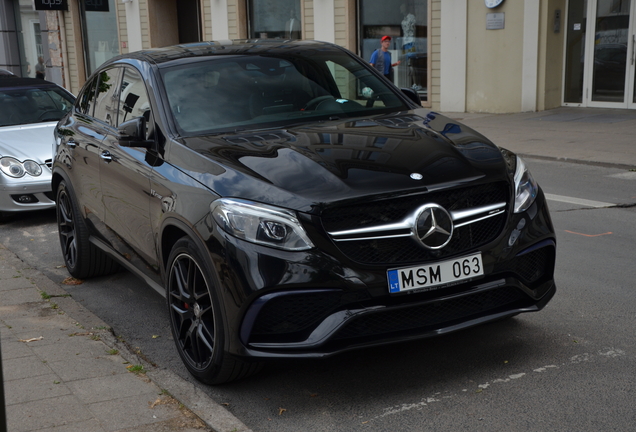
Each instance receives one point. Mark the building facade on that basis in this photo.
(460, 55)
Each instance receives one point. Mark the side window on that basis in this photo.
(133, 99)
(86, 99)
(107, 96)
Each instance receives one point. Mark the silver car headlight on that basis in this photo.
(260, 224)
(32, 167)
(526, 187)
(12, 167)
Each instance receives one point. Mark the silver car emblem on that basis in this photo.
(417, 176)
(434, 226)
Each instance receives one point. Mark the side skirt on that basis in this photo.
(125, 263)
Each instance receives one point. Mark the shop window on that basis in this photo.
(27, 23)
(275, 19)
(406, 22)
(101, 40)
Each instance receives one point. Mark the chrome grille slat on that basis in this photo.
(475, 215)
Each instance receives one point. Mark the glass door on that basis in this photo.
(609, 52)
(600, 54)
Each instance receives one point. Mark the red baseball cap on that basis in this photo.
(385, 38)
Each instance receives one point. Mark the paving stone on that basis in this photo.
(124, 413)
(40, 318)
(92, 425)
(15, 282)
(13, 349)
(20, 296)
(78, 368)
(46, 414)
(77, 346)
(34, 389)
(26, 367)
(113, 387)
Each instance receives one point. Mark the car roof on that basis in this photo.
(15, 81)
(226, 47)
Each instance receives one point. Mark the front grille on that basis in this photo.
(402, 250)
(435, 315)
(399, 250)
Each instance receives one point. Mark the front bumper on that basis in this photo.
(26, 193)
(316, 303)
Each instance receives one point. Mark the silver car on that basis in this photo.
(29, 111)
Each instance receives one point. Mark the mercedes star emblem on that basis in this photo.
(434, 226)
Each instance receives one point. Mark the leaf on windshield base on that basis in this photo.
(281, 411)
(155, 336)
(72, 281)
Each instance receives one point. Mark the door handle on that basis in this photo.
(105, 155)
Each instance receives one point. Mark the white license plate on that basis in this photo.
(434, 275)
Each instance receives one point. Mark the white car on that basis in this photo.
(29, 111)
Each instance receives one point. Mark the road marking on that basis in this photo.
(578, 201)
(630, 175)
(589, 235)
(424, 402)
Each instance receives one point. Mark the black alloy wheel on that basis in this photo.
(195, 318)
(82, 259)
(66, 228)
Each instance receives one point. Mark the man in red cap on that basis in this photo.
(381, 59)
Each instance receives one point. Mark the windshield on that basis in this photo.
(32, 105)
(240, 92)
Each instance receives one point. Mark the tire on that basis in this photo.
(82, 258)
(196, 320)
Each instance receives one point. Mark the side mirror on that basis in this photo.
(412, 95)
(132, 133)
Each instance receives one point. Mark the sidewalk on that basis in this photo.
(65, 371)
(588, 135)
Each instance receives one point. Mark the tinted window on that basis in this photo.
(133, 98)
(33, 105)
(86, 99)
(107, 96)
(242, 91)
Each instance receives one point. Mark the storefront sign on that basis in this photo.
(96, 5)
(45, 5)
(495, 21)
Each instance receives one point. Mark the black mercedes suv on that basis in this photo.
(290, 202)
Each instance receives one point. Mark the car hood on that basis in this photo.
(27, 141)
(309, 166)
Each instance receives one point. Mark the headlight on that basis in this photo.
(11, 167)
(14, 168)
(32, 168)
(525, 187)
(261, 224)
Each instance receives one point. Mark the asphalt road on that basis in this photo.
(571, 366)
